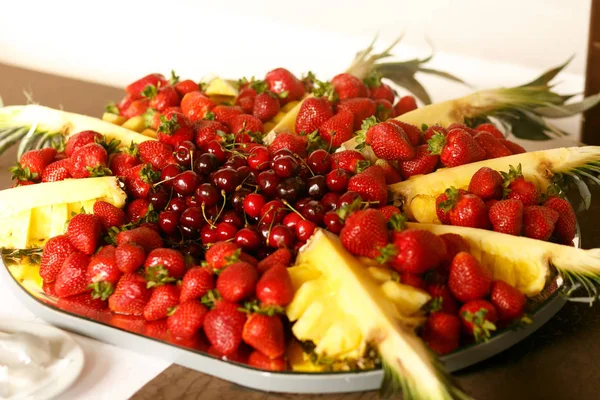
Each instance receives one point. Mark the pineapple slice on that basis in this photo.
(32, 214)
(221, 87)
(343, 304)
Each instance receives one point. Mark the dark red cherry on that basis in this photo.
(337, 180)
(281, 236)
(248, 239)
(168, 221)
(185, 183)
(192, 218)
(319, 161)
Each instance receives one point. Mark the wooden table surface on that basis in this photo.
(560, 361)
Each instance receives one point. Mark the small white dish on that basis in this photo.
(62, 372)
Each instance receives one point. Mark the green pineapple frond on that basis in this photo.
(581, 281)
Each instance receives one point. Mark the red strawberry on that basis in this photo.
(142, 236)
(84, 231)
(137, 108)
(432, 130)
(162, 299)
(237, 281)
(457, 125)
(361, 107)
(174, 129)
(520, 189)
(457, 148)
(156, 153)
(492, 146)
(513, 147)
(508, 300)
(566, 226)
(384, 110)
(392, 174)
(539, 222)
(164, 265)
(246, 98)
(348, 86)
(163, 98)
(405, 104)
(468, 280)
(490, 128)
(222, 254)
(196, 283)
(313, 113)
(103, 273)
(108, 214)
(72, 278)
(388, 141)
(337, 129)
(266, 106)
(261, 361)
(225, 114)
(130, 295)
(56, 171)
(454, 245)
(32, 164)
(196, 105)
(89, 160)
(120, 163)
(186, 86)
(443, 215)
(187, 319)
(487, 184)
(284, 84)
(285, 140)
(56, 251)
(442, 294)
(506, 216)
(370, 187)
(139, 180)
(136, 88)
(80, 139)
(274, 287)
(365, 233)
(246, 123)
(442, 332)
(265, 334)
(423, 163)
(413, 280)
(17, 183)
(465, 209)
(414, 251)
(478, 318)
(137, 209)
(381, 91)
(348, 160)
(223, 327)
(124, 104)
(413, 133)
(389, 211)
(280, 256)
(129, 257)
(206, 131)
(83, 304)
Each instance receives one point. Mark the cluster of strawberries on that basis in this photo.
(508, 203)
(465, 298)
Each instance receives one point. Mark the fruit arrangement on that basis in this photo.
(266, 221)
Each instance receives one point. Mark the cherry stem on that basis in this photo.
(224, 195)
(206, 219)
(292, 208)
(305, 164)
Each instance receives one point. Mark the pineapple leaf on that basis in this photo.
(568, 110)
(547, 76)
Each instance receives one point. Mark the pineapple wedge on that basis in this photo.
(32, 214)
(221, 87)
(344, 303)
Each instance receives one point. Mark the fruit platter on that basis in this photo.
(299, 235)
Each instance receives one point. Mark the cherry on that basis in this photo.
(337, 180)
(348, 198)
(305, 229)
(168, 173)
(316, 186)
(291, 220)
(268, 181)
(238, 197)
(248, 239)
(281, 236)
(314, 211)
(184, 152)
(243, 173)
(273, 212)
(185, 183)
(258, 159)
(226, 179)
(159, 199)
(214, 147)
(192, 201)
(330, 201)
(206, 163)
(232, 217)
(236, 162)
(168, 221)
(189, 233)
(211, 212)
(192, 218)
(192, 249)
(333, 222)
(291, 188)
(208, 234)
(285, 166)
(319, 161)
(304, 172)
(207, 194)
(300, 204)
(298, 246)
(253, 204)
(264, 230)
(176, 204)
(281, 153)
(226, 231)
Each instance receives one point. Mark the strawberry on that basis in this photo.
(365, 233)
(56, 251)
(423, 163)
(389, 211)
(196, 282)
(129, 257)
(513, 147)
(361, 107)
(508, 300)
(490, 128)
(280, 256)
(196, 105)
(187, 319)
(223, 327)
(348, 160)
(163, 98)
(492, 146)
(137, 209)
(174, 129)
(465, 209)
(539, 222)
(120, 163)
(246, 98)
(392, 174)
(225, 114)
(566, 226)
(246, 123)
(207, 131)
(103, 273)
(313, 112)
(284, 84)
(520, 189)
(432, 130)
(84, 231)
(261, 361)
(83, 304)
(478, 318)
(285, 140)
(487, 184)
(454, 244)
(156, 153)
(457, 148)
(442, 294)
(164, 265)
(162, 299)
(414, 251)
(17, 183)
(337, 129)
(89, 160)
(32, 164)
(384, 110)
(123, 105)
(56, 171)
(443, 215)
(266, 106)
(412, 132)
(80, 139)
(405, 104)
(265, 334)
(139, 180)
(108, 214)
(413, 280)
(236, 282)
(348, 86)
(145, 237)
(221, 254)
(468, 280)
(186, 86)
(72, 278)
(442, 332)
(381, 91)
(388, 141)
(137, 108)
(136, 88)
(130, 295)
(274, 287)
(458, 125)
(370, 187)
(506, 216)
